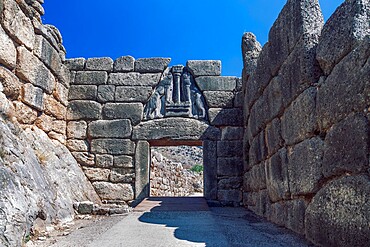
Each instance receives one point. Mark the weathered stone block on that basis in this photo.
(81, 109)
(278, 213)
(54, 108)
(33, 96)
(104, 161)
(99, 63)
(82, 92)
(76, 130)
(219, 99)
(24, 114)
(305, 162)
(347, 147)
(10, 84)
(18, 25)
(295, 218)
(59, 126)
(44, 122)
(133, 94)
(91, 78)
(112, 146)
(132, 111)
(57, 136)
(97, 174)
(123, 161)
(64, 76)
(8, 53)
(231, 166)
(348, 25)
(277, 178)
(134, 79)
(230, 149)
(339, 213)
(110, 129)
(122, 175)
(175, 129)
(299, 120)
(106, 93)
(85, 207)
(257, 150)
(204, 67)
(232, 133)
(230, 183)
(75, 63)
(61, 93)
(225, 117)
(255, 178)
(46, 53)
(151, 65)
(210, 169)
(239, 100)
(229, 197)
(124, 64)
(216, 83)
(274, 140)
(77, 145)
(336, 98)
(84, 158)
(109, 191)
(251, 49)
(31, 69)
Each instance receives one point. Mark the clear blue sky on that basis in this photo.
(182, 30)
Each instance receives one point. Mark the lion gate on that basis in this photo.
(118, 109)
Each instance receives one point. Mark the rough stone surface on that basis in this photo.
(48, 54)
(75, 63)
(104, 161)
(142, 160)
(33, 96)
(8, 53)
(82, 92)
(204, 67)
(216, 83)
(251, 49)
(210, 169)
(133, 94)
(232, 133)
(77, 129)
(109, 191)
(83, 110)
(342, 209)
(112, 146)
(97, 174)
(91, 78)
(132, 111)
(124, 64)
(77, 145)
(106, 93)
(123, 161)
(24, 113)
(229, 166)
(31, 69)
(99, 64)
(10, 84)
(110, 129)
(134, 79)
(219, 99)
(225, 117)
(54, 108)
(348, 25)
(151, 65)
(229, 149)
(347, 147)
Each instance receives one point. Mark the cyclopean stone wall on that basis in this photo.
(118, 109)
(306, 146)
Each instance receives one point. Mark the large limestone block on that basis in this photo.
(24, 113)
(257, 149)
(104, 161)
(77, 145)
(109, 191)
(277, 178)
(124, 64)
(305, 162)
(251, 49)
(83, 92)
(133, 94)
(132, 111)
(299, 120)
(11, 86)
(339, 213)
(33, 96)
(175, 129)
(151, 65)
(232, 133)
(349, 24)
(347, 88)
(75, 63)
(216, 83)
(8, 53)
(225, 117)
(231, 166)
(100, 64)
(123, 161)
(54, 108)
(142, 162)
(110, 129)
(255, 178)
(230, 149)
(16, 23)
(210, 169)
(204, 67)
(347, 146)
(219, 99)
(31, 69)
(76, 129)
(274, 140)
(47, 53)
(83, 110)
(97, 174)
(106, 93)
(230, 197)
(230, 183)
(122, 175)
(91, 78)
(134, 79)
(112, 146)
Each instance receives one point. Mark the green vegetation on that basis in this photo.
(197, 168)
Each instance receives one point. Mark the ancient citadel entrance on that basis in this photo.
(137, 104)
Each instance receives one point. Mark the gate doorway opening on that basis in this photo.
(176, 171)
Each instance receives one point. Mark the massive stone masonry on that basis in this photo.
(117, 109)
(306, 111)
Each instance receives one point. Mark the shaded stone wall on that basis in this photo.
(110, 136)
(32, 72)
(306, 145)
